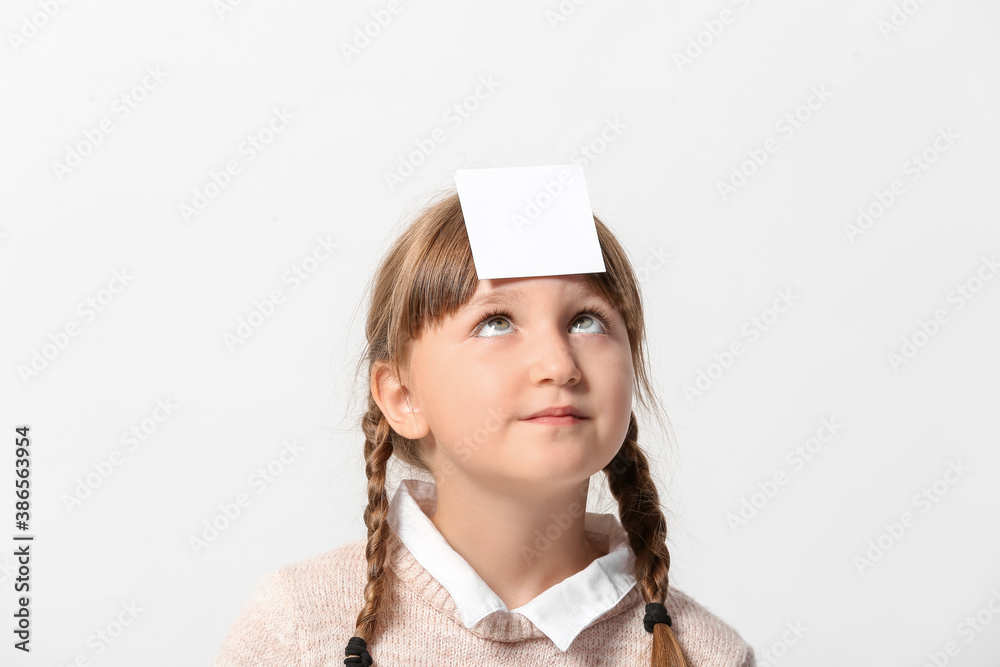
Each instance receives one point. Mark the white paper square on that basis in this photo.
(529, 221)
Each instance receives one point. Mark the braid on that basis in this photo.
(378, 449)
(639, 506)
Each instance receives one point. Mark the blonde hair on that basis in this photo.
(427, 274)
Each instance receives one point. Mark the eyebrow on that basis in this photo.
(501, 297)
(509, 296)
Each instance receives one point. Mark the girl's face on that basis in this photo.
(478, 378)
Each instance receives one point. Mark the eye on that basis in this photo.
(494, 321)
(490, 319)
(590, 321)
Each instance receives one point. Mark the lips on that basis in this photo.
(559, 411)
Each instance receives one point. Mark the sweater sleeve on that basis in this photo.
(749, 659)
(266, 631)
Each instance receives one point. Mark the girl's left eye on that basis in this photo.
(590, 316)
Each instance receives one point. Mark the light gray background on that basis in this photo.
(681, 130)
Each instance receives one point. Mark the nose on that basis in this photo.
(554, 359)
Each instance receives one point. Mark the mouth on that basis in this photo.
(566, 414)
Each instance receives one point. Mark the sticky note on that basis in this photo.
(529, 221)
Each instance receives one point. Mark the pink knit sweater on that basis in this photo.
(303, 615)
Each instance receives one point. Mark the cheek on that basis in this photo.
(472, 402)
(467, 387)
(623, 392)
(623, 379)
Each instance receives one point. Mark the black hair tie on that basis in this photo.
(655, 613)
(357, 650)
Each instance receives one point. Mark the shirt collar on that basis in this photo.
(562, 612)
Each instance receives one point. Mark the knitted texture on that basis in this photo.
(303, 615)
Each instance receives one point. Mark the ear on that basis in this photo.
(397, 403)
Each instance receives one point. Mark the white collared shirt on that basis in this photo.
(562, 611)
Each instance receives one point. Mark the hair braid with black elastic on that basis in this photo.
(639, 508)
(378, 449)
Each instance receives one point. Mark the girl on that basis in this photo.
(510, 394)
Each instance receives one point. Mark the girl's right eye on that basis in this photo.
(493, 317)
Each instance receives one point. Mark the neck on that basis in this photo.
(520, 542)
